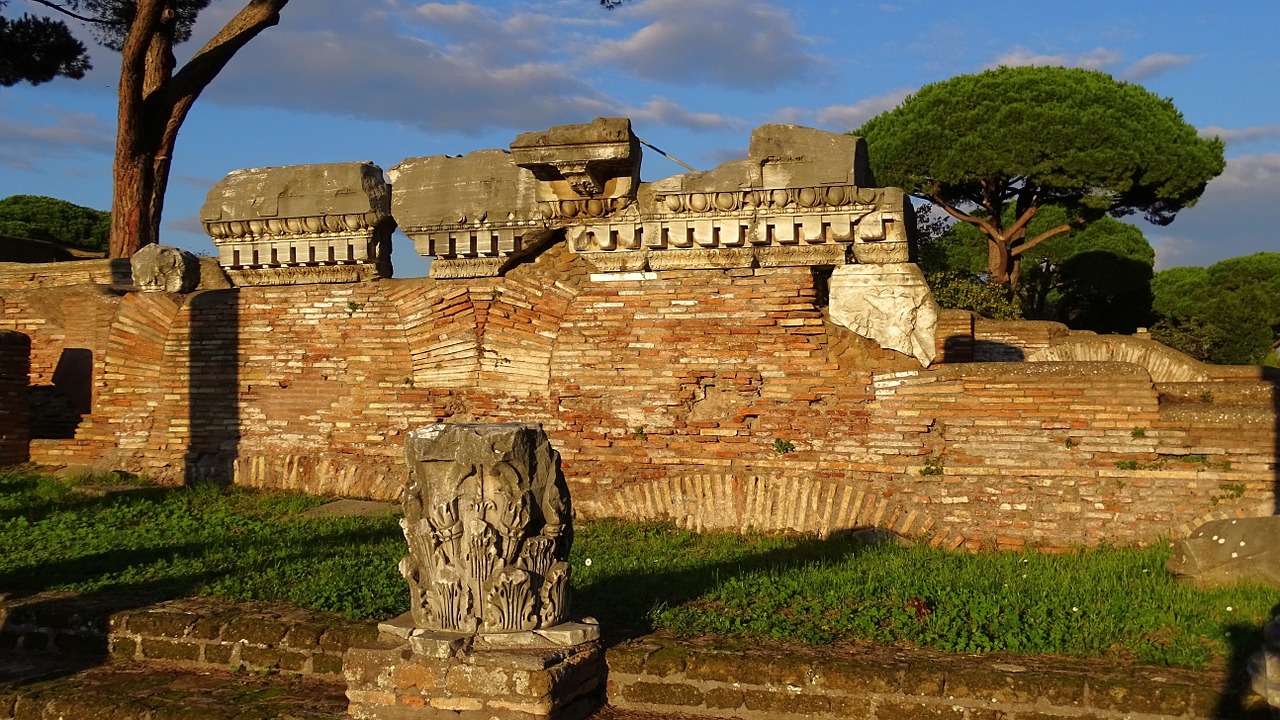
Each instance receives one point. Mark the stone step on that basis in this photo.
(42, 687)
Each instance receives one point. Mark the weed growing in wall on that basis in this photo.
(1138, 433)
(782, 447)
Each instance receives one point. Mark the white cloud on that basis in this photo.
(743, 44)
(441, 67)
(1249, 134)
(1236, 216)
(1099, 58)
(661, 110)
(1248, 174)
(1155, 64)
(71, 134)
(842, 118)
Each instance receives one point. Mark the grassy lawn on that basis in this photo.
(161, 543)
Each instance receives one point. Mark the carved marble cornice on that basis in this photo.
(301, 224)
(305, 274)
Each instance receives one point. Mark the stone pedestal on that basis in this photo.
(1264, 668)
(414, 673)
(488, 524)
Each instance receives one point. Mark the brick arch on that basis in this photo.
(1235, 512)
(770, 503)
(1162, 362)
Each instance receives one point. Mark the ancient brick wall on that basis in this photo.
(1012, 340)
(15, 368)
(715, 398)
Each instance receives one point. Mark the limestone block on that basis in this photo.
(476, 213)
(597, 159)
(890, 304)
(159, 268)
(302, 223)
(1223, 552)
(488, 522)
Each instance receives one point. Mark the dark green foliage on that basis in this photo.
(113, 18)
(54, 220)
(1029, 137)
(36, 50)
(1227, 313)
(967, 291)
(1095, 278)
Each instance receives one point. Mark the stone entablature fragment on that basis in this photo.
(474, 214)
(302, 224)
(801, 197)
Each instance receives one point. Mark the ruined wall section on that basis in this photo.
(15, 369)
(1050, 454)
(134, 387)
(714, 398)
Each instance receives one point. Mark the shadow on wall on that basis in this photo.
(964, 348)
(57, 409)
(213, 408)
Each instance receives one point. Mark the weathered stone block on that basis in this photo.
(666, 661)
(159, 268)
(1223, 552)
(628, 658)
(908, 710)
(161, 623)
(723, 698)
(302, 224)
(662, 693)
(154, 649)
(860, 677)
(218, 654)
(324, 664)
(255, 631)
(890, 304)
(1137, 695)
(786, 701)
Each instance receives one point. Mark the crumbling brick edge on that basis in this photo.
(661, 673)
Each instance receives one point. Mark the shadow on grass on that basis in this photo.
(49, 632)
(1238, 699)
(624, 603)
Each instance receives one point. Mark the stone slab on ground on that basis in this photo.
(39, 688)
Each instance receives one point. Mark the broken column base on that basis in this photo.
(410, 673)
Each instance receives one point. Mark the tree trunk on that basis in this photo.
(154, 102)
(999, 262)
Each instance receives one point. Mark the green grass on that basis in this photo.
(158, 543)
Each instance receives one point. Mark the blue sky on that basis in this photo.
(383, 80)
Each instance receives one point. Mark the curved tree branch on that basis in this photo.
(70, 14)
(1065, 227)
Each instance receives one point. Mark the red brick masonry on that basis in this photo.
(716, 398)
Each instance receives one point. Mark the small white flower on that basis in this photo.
(587, 562)
(1075, 609)
(1230, 609)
